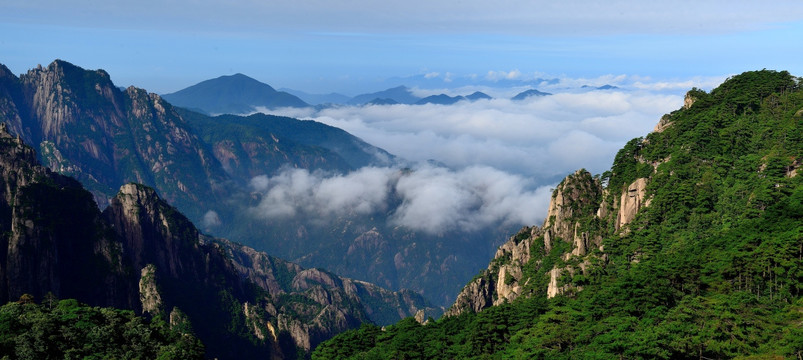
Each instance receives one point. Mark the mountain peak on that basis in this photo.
(232, 94)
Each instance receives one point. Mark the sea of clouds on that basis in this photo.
(496, 159)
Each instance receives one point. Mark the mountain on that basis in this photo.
(399, 94)
(84, 126)
(688, 247)
(142, 254)
(528, 93)
(478, 95)
(441, 99)
(233, 94)
(318, 99)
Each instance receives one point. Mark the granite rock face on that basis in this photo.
(87, 128)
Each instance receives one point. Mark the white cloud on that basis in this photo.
(210, 220)
(299, 192)
(502, 155)
(433, 199)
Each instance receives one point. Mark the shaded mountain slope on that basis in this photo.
(260, 144)
(529, 93)
(142, 254)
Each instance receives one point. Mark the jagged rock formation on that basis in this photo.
(85, 127)
(142, 254)
(149, 291)
(571, 234)
(662, 124)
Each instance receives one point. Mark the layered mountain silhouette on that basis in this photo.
(441, 99)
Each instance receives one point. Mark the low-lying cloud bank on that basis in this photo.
(427, 198)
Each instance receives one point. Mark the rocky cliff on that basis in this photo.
(47, 221)
(555, 258)
(86, 127)
(538, 260)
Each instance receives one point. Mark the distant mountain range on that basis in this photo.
(603, 87)
(240, 94)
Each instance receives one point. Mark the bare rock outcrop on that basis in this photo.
(575, 202)
(149, 291)
(688, 101)
(477, 295)
(577, 196)
(662, 124)
(632, 200)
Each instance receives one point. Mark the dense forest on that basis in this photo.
(710, 268)
(67, 329)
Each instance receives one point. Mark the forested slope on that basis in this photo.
(691, 246)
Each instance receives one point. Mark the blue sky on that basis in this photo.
(355, 46)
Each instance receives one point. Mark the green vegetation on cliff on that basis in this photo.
(711, 266)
